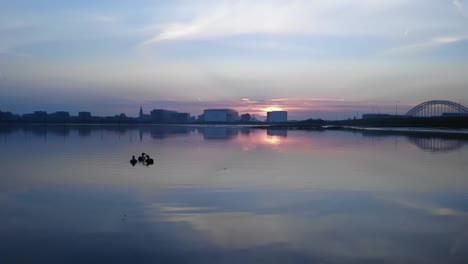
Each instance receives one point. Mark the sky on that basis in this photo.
(316, 59)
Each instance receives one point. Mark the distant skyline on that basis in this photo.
(315, 59)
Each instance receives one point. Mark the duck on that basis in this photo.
(142, 157)
(149, 161)
(133, 161)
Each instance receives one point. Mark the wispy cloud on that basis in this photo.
(229, 18)
(460, 7)
(234, 19)
(426, 46)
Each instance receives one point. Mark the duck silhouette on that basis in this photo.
(149, 161)
(142, 157)
(133, 161)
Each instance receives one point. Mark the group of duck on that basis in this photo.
(144, 158)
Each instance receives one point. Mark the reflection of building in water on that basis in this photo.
(219, 132)
(36, 130)
(159, 132)
(437, 144)
(6, 130)
(84, 131)
(277, 132)
(220, 115)
(275, 136)
(246, 130)
(424, 141)
(58, 130)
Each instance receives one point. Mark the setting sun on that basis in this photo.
(272, 108)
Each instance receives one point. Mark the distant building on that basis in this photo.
(277, 116)
(60, 116)
(454, 114)
(246, 118)
(163, 116)
(40, 114)
(183, 117)
(84, 115)
(142, 116)
(375, 116)
(201, 118)
(37, 116)
(220, 115)
(6, 116)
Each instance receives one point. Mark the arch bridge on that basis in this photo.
(437, 108)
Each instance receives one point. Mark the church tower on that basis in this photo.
(141, 112)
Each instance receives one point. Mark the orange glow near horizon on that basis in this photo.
(274, 140)
(272, 108)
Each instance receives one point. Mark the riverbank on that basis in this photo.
(454, 125)
(421, 131)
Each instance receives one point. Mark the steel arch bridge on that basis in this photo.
(436, 108)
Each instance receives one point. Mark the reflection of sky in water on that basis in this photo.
(228, 195)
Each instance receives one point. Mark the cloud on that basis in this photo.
(231, 18)
(235, 19)
(460, 8)
(425, 46)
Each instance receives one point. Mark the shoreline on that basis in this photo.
(300, 127)
(380, 130)
(412, 129)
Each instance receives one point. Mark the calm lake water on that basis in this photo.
(68, 194)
